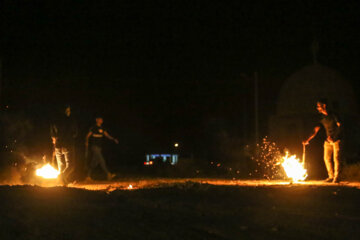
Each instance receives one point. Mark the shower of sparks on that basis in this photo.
(267, 158)
(271, 164)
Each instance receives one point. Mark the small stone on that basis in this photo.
(243, 228)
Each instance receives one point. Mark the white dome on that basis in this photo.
(301, 90)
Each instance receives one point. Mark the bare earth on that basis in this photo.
(181, 209)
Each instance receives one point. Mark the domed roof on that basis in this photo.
(301, 90)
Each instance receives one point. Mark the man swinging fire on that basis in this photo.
(333, 142)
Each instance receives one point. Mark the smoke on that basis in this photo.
(11, 176)
(14, 126)
(14, 131)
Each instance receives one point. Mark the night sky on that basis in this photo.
(165, 70)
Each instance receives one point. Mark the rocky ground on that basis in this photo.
(181, 209)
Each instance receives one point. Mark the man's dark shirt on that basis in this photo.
(97, 136)
(330, 124)
(64, 129)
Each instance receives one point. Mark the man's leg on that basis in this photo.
(92, 161)
(337, 160)
(102, 163)
(89, 167)
(59, 160)
(61, 164)
(89, 171)
(68, 164)
(328, 151)
(101, 159)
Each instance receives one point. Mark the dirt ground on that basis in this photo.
(181, 209)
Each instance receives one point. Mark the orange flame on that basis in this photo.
(294, 169)
(48, 172)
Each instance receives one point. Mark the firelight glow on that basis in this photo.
(294, 169)
(48, 172)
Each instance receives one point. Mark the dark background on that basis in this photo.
(164, 71)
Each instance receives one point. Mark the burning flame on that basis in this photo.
(48, 172)
(130, 187)
(294, 169)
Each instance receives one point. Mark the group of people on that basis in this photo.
(63, 131)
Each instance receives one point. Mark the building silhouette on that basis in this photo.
(296, 113)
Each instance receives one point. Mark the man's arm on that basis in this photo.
(75, 129)
(338, 122)
(337, 119)
(316, 130)
(87, 138)
(110, 137)
(53, 133)
(338, 130)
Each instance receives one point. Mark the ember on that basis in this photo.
(48, 172)
(267, 160)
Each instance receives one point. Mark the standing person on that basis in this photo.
(333, 143)
(63, 132)
(96, 135)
